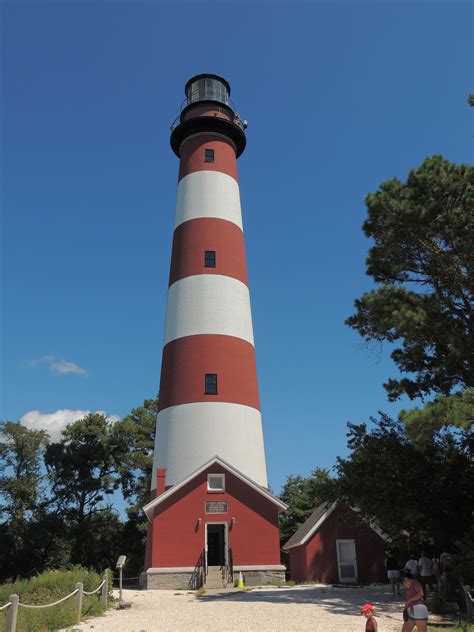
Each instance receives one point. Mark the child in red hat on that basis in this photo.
(368, 611)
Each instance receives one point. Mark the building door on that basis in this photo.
(216, 544)
(346, 560)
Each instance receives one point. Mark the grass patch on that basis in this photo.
(46, 588)
(200, 592)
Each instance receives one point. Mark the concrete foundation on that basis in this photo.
(190, 578)
(263, 578)
(170, 579)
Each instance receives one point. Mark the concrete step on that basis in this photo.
(214, 577)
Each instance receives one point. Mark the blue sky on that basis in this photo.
(339, 96)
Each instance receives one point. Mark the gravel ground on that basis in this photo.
(317, 608)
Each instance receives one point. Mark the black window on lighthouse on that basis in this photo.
(208, 155)
(210, 384)
(209, 258)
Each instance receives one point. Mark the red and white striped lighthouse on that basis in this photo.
(209, 411)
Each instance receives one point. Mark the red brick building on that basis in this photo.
(335, 545)
(217, 510)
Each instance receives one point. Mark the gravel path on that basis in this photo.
(317, 608)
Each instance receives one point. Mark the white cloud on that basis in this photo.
(54, 423)
(60, 366)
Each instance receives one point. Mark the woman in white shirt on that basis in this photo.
(412, 565)
(426, 572)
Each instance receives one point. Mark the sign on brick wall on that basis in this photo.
(216, 506)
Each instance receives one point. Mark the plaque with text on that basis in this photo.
(216, 506)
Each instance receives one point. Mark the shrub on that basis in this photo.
(46, 588)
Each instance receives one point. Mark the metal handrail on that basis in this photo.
(198, 577)
(228, 569)
(236, 121)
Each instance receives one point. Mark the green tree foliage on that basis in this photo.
(135, 434)
(56, 503)
(446, 410)
(20, 471)
(303, 495)
(422, 261)
(420, 493)
(22, 499)
(82, 465)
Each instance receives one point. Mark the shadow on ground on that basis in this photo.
(337, 601)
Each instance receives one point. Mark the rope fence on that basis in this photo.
(15, 604)
(49, 605)
(96, 590)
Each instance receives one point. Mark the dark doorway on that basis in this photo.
(215, 544)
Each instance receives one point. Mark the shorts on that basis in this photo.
(418, 612)
(393, 574)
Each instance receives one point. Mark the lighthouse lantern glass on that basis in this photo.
(207, 89)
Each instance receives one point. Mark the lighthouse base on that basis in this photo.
(181, 578)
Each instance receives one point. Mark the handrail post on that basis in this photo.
(105, 591)
(12, 614)
(79, 595)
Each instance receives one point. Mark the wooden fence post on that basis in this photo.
(79, 595)
(105, 591)
(12, 614)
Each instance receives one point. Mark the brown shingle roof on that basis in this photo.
(298, 537)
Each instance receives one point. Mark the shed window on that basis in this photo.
(216, 482)
(209, 258)
(208, 155)
(210, 384)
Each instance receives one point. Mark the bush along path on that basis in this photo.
(53, 600)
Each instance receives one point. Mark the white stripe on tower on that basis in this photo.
(208, 426)
(208, 304)
(208, 194)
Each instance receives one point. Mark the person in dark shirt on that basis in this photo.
(393, 571)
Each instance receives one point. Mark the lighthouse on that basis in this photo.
(210, 511)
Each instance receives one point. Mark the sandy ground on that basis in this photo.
(315, 607)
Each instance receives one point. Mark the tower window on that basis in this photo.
(208, 155)
(210, 384)
(209, 258)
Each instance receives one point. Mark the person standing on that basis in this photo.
(393, 571)
(445, 561)
(425, 572)
(435, 567)
(416, 610)
(370, 624)
(412, 565)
